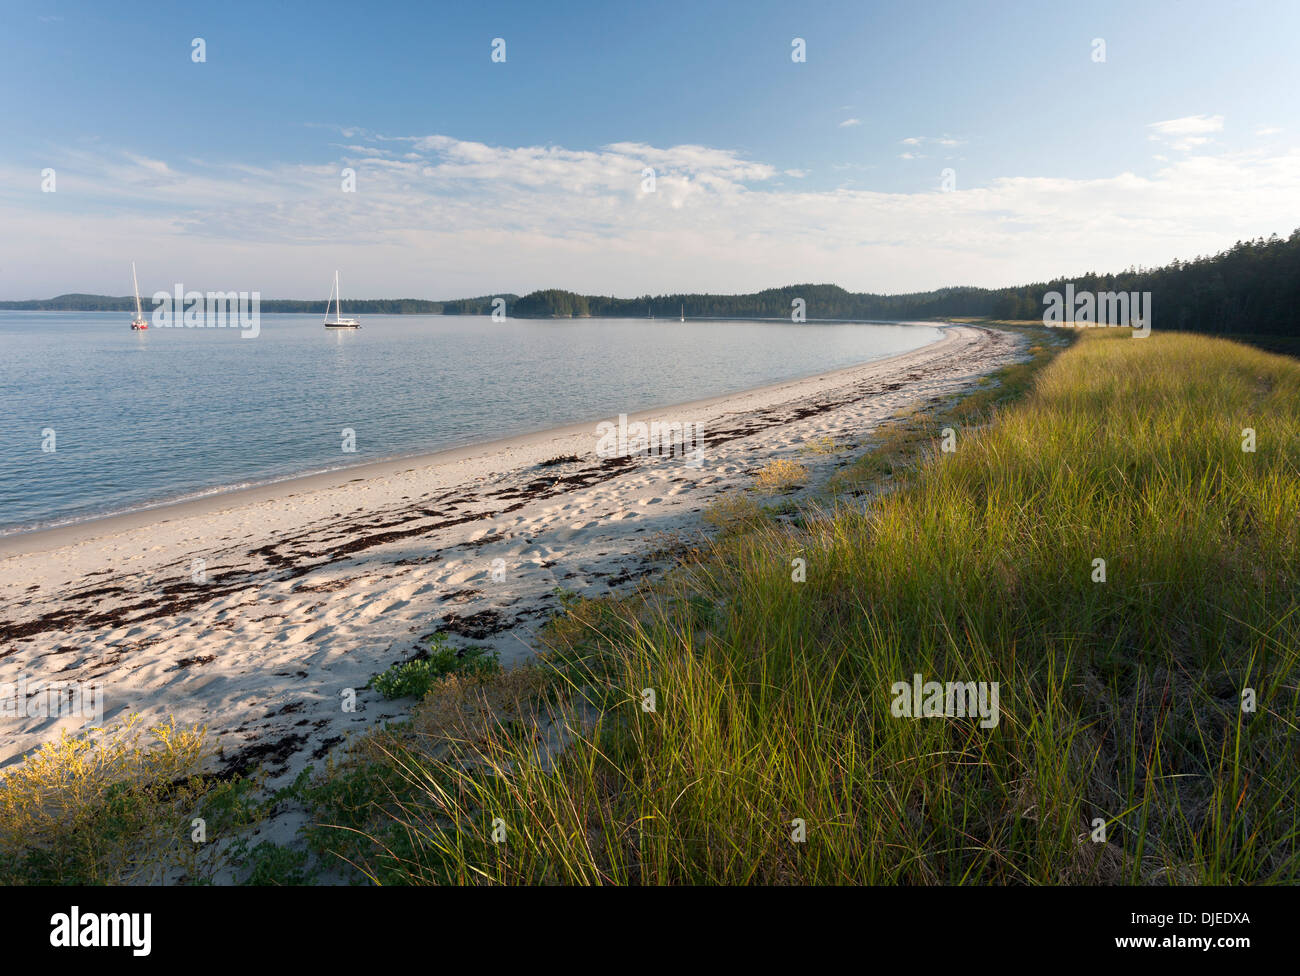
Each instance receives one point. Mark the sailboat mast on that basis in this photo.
(136, 282)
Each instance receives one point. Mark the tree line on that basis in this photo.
(1252, 287)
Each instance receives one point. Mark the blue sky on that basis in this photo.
(475, 177)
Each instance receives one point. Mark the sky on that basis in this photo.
(917, 144)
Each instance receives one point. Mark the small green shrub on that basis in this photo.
(274, 864)
(415, 678)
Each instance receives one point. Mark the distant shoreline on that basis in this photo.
(934, 321)
(1268, 292)
(806, 301)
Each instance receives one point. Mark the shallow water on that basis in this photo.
(139, 418)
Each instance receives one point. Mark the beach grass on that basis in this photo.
(732, 724)
(780, 475)
(131, 805)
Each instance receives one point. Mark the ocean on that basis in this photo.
(100, 420)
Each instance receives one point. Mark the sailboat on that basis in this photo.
(337, 299)
(683, 313)
(138, 323)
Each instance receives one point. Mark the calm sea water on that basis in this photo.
(141, 418)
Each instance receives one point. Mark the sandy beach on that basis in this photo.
(309, 587)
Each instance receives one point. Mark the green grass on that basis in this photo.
(1121, 702)
(902, 442)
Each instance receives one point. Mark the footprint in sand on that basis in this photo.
(310, 633)
(402, 594)
(377, 607)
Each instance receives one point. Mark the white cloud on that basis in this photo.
(850, 122)
(466, 218)
(1186, 133)
(153, 165)
(1268, 130)
(946, 141)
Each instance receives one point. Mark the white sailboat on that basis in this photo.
(337, 299)
(683, 313)
(138, 323)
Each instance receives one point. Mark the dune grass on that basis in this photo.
(129, 806)
(732, 725)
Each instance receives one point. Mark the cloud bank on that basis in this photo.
(440, 217)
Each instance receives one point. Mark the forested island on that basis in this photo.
(1253, 288)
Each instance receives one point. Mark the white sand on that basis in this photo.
(315, 585)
